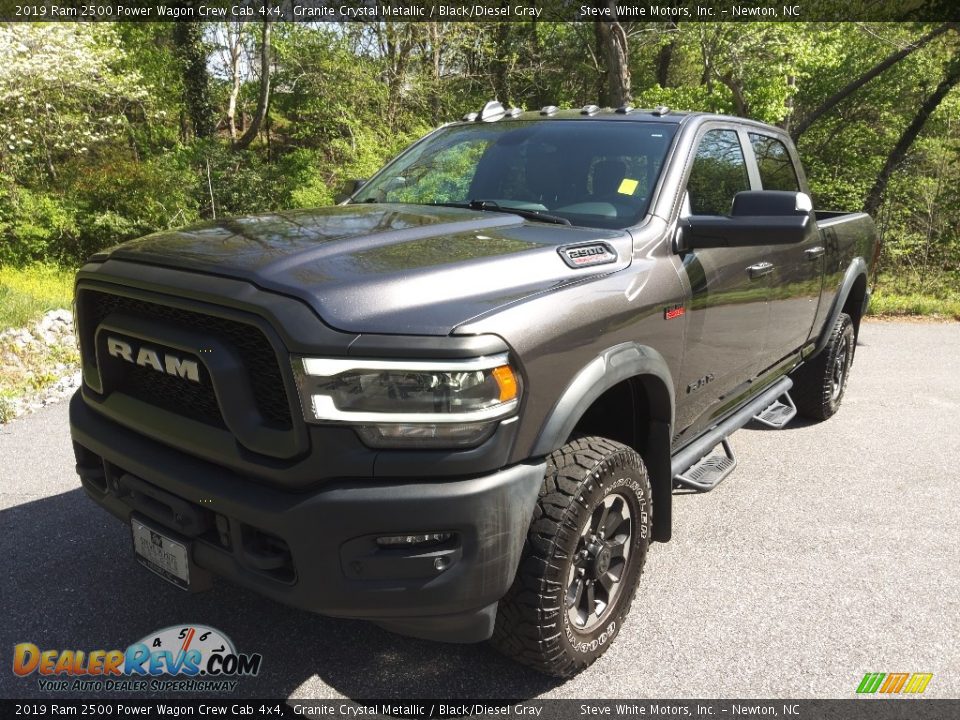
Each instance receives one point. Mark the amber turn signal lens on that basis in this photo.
(507, 382)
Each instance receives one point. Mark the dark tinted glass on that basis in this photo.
(593, 173)
(774, 163)
(719, 172)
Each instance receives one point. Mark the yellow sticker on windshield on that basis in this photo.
(627, 186)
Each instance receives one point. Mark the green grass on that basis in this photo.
(27, 293)
(894, 303)
(931, 294)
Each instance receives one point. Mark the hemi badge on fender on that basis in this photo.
(595, 253)
(675, 311)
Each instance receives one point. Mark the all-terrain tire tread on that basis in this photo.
(811, 382)
(529, 622)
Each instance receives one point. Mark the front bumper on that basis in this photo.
(315, 550)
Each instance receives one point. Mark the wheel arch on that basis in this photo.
(626, 391)
(850, 298)
(855, 304)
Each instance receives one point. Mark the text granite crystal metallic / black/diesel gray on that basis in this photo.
(458, 403)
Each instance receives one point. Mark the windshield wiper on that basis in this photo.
(494, 206)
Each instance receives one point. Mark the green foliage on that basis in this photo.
(26, 293)
(33, 224)
(111, 130)
(192, 52)
(687, 98)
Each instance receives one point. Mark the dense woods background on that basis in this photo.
(114, 130)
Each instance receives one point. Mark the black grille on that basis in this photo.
(171, 393)
(195, 400)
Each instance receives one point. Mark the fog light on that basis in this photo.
(413, 539)
(425, 435)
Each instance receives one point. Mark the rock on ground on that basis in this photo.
(39, 350)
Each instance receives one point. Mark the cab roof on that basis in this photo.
(494, 111)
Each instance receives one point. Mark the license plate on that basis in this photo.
(166, 557)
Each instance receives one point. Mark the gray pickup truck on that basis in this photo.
(459, 403)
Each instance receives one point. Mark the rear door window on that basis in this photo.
(719, 172)
(774, 163)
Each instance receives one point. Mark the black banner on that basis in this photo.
(871, 708)
(479, 10)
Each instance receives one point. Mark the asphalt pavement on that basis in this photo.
(833, 550)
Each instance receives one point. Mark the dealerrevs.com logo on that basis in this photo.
(180, 658)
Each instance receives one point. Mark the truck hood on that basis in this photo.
(396, 269)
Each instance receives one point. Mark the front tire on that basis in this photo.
(819, 384)
(582, 559)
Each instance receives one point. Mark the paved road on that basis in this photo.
(833, 550)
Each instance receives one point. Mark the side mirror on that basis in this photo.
(767, 203)
(349, 188)
(766, 217)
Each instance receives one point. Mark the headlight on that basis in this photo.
(413, 403)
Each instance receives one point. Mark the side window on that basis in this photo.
(719, 172)
(774, 163)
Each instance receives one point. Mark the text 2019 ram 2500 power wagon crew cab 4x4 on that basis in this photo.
(457, 404)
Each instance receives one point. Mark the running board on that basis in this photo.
(709, 471)
(688, 457)
(778, 413)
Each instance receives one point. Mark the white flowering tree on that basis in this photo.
(63, 91)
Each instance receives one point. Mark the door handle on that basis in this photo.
(814, 252)
(760, 269)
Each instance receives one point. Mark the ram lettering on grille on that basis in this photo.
(147, 357)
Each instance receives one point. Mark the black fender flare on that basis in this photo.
(856, 269)
(614, 365)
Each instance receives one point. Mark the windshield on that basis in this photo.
(589, 172)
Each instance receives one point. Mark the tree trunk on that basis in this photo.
(791, 91)
(603, 92)
(665, 57)
(804, 124)
(188, 40)
(740, 102)
(435, 99)
(500, 75)
(263, 101)
(397, 41)
(613, 42)
(234, 47)
(899, 152)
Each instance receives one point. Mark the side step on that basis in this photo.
(709, 471)
(689, 458)
(778, 413)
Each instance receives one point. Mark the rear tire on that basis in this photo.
(582, 558)
(818, 385)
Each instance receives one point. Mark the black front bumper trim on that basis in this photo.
(487, 515)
